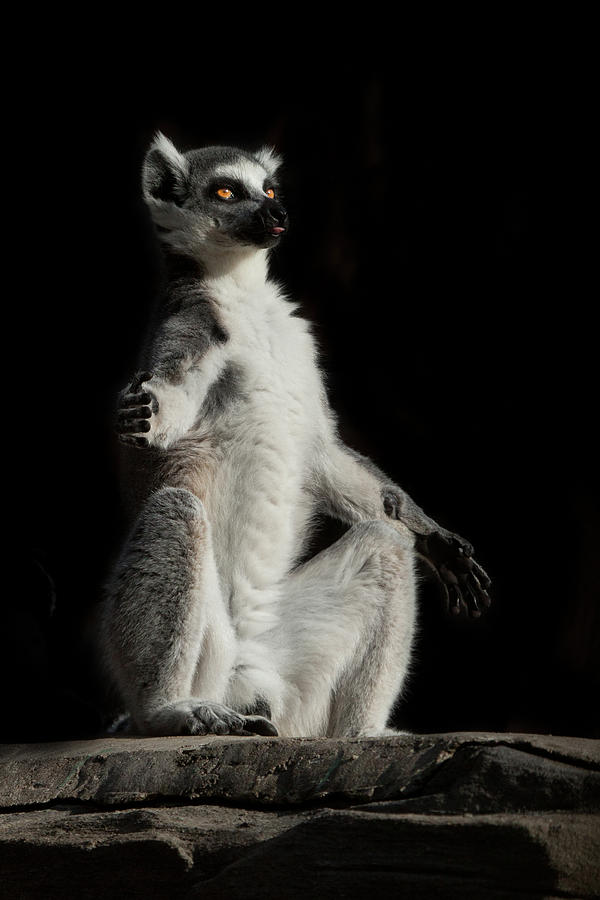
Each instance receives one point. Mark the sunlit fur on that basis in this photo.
(207, 607)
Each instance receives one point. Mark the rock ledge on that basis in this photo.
(454, 815)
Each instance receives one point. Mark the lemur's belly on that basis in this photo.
(258, 507)
(251, 467)
(257, 503)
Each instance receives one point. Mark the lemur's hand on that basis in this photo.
(135, 409)
(449, 557)
(462, 580)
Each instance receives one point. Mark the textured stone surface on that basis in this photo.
(272, 771)
(460, 815)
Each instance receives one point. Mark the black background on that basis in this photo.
(439, 242)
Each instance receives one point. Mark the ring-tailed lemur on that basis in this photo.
(209, 619)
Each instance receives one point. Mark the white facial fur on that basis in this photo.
(251, 174)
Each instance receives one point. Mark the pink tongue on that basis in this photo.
(277, 230)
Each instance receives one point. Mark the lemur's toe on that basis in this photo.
(260, 725)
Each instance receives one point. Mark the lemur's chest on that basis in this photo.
(266, 439)
(275, 354)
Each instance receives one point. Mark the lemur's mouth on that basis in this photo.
(261, 234)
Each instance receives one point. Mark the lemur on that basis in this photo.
(212, 623)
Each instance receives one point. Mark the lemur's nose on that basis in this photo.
(274, 215)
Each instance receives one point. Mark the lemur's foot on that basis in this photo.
(463, 581)
(206, 717)
(136, 407)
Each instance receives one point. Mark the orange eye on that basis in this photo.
(224, 193)
(270, 193)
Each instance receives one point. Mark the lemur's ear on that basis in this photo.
(164, 172)
(269, 159)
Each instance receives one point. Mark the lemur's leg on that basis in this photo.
(348, 621)
(168, 636)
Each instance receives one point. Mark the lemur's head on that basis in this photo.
(215, 200)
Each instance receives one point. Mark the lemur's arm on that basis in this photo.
(162, 401)
(352, 488)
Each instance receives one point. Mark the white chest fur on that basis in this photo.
(260, 507)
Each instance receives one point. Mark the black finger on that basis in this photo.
(424, 558)
(445, 595)
(482, 595)
(472, 601)
(139, 380)
(457, 603)
(486, 600)
(135, 426)
(447, 575)
(136, 412)
(433, 570)
(482, 575)
(128, 400)
(473, 598)
(463, 563)
(134, 441)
